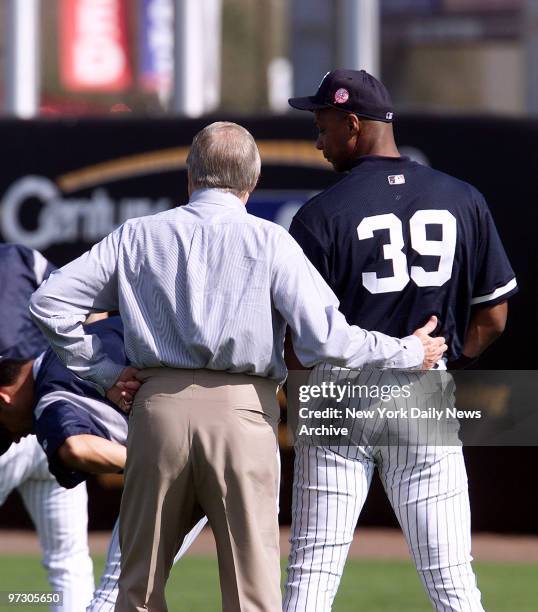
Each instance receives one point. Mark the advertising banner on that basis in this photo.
(90, 176)
(94, 53)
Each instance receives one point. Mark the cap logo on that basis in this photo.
(341, 96)
(389, 116)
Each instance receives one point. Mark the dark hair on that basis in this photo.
(10, 370)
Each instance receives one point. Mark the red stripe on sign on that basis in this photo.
(94, 54)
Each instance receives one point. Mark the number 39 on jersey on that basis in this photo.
(394, 250)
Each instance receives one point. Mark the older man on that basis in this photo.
(205, 292)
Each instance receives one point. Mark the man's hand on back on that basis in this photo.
(434, 348)
(124, 389)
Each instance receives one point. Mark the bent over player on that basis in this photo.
(60, 516)
(397, 242)
(80, 432)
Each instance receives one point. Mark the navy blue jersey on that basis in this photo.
(22, 270)
(398, 242)
(66, 405)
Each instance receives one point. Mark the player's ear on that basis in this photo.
(5, 397)
(353, 123)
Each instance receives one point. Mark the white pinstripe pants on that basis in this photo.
(421, 466)
(427, 487)
(61, 520)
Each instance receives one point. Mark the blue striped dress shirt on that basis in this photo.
(205, 285)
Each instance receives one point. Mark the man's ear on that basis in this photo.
(353, 123)
(5, 397)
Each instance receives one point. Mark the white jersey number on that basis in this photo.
(393, 250)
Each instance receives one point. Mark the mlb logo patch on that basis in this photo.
(341, 96)
(396, 179)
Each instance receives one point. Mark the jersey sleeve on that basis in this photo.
(311, 246)
(57, 422)
(495, 280)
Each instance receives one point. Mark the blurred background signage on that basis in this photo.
(94, 54)
(157, 46)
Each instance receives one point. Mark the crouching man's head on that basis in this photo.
(16, 400)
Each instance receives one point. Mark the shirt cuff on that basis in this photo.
(412, 355)
(105, 375)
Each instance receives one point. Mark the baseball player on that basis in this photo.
(80, 432)
(397, 242)
(60, 516)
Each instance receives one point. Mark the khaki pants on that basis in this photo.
(201, 442)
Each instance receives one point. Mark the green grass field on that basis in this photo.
(370, 586)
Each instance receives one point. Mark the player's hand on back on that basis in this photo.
(124, 389)
(434, 348)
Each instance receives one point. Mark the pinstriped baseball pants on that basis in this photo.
(426, 485)
(60, 517)
(429, 495)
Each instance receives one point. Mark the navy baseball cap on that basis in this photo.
(31, 343)
(352, 91)
(5, 440)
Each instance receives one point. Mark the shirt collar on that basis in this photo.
(378, 158)
(218, 197)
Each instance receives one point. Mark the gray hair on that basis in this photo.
(224, 156)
